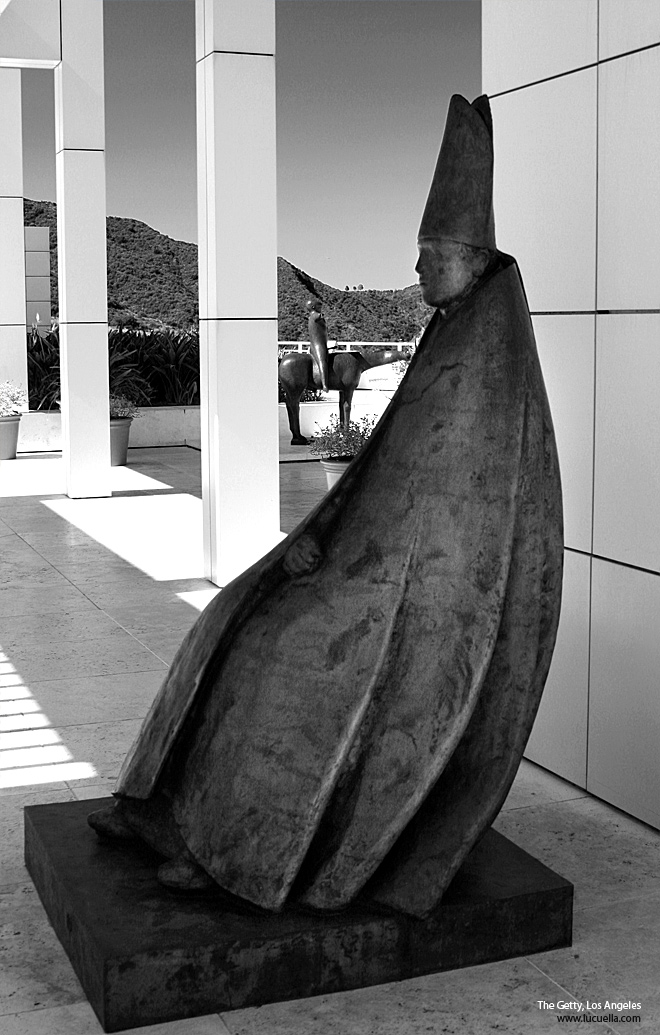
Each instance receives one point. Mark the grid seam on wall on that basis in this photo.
(572, 71)
(612, 560)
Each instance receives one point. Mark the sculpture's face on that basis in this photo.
(444, 270)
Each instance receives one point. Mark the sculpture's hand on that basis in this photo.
(303, 556)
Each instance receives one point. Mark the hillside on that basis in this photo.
(152, 282)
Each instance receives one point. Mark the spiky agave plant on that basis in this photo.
(43, 362)
(170, 359)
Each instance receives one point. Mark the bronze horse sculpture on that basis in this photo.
(297, 372)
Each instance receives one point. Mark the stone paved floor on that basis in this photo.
(93, 604)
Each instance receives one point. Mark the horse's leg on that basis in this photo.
(346, 405)
(342, 398)
(293, 412)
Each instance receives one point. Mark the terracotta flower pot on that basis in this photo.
(9, 436)
(334, 470)
(119, 431)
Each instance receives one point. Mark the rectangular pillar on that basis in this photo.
(237, 282)
(80, 167)
(13, 351)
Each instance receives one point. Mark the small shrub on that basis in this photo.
(12, 399)
(335, 442)
(121, 406)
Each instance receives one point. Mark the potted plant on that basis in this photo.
(337, 444)
(122, 412)
(13, 400)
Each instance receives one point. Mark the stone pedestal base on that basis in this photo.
(145, 955)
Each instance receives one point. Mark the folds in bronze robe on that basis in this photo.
(357, 728)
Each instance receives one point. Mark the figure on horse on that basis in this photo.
(329, 371)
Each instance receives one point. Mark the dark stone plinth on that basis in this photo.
(145, 955)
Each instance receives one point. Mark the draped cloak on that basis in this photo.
(354, 730)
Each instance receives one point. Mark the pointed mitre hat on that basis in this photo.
(460, 202)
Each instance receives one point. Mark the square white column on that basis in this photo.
(237, 282)
(240, 481)
(84, 382)
(13, 352)
(80, 165)
(81, 244)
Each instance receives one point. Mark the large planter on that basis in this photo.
(334, 470)
(120, 428)
(9, 436)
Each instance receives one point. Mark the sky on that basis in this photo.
(362, 93)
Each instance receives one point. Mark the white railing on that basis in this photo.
(303, 346)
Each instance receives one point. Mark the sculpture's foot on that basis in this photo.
(110, 823)
(184, 874)
(299, 440)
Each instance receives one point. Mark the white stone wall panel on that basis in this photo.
(566, 349)
(37, 288)
(37, 238)
(624, 703)
(11, 134)
(627, 461)
(564, 705)
(629, 182)
(12, 262)
(545, 189)
(37, 264)
(13, 356)
(625, 25)
(528, 40)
